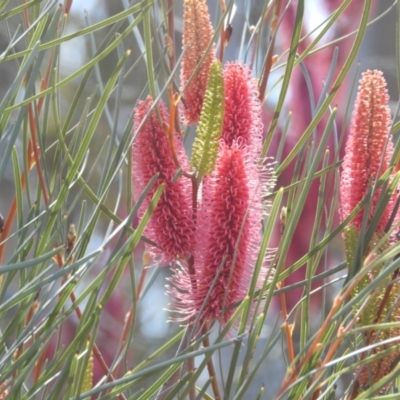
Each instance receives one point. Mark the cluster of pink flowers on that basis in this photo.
(211, 241)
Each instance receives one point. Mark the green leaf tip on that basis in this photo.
(206, 144)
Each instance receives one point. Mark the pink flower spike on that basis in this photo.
(368, 150)
(171, 225)
(242, 115)
(228, 236)
(197, 35)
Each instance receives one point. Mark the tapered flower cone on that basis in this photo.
(228, 234)
(227, 240)
(242, 116)
(368, 149)
(197, 35)
(171, 225)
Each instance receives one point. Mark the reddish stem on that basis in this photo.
(269, 57)
(13, 209)
(222, 33)
(38, 367)
(171, 34)
(210, 366)
(45, 82)
(68, 5)
(26, 15)
(36, 152)
(288, 327)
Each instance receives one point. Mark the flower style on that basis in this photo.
(242, 117)
(197, 35)
(171, 225)
(368, 150)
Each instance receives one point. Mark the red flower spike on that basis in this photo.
(171, 225)
(228, 235)
(368, 150)
(242, 114)
(197, 35)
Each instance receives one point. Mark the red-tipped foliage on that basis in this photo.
(171, 225)
(242, 113)
(368, 150)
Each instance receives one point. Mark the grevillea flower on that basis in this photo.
(228, 233)
(368, 150)
(242, 114)
(171, 225)
(197, 35)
